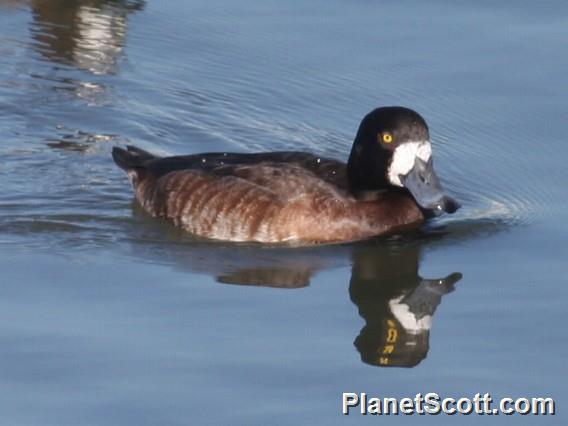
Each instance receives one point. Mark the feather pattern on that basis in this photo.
(270, 198)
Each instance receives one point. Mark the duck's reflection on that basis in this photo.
(396, 304)
(87, 34)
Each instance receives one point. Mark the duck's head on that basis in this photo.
(392, 149)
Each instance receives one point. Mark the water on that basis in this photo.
(110, 317)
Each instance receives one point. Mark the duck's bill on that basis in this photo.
(425, 187)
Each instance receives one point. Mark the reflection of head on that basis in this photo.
(396, 303)
(88, 34)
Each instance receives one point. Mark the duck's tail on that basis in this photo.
(131, 157)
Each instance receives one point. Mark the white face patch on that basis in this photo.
(404, 157)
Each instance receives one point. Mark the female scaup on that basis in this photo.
(388, 184)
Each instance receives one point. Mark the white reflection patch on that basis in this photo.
(407, 319)
(403, 159)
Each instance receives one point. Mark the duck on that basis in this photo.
(387, 186)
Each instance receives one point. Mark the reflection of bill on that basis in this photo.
(88, 34)
(397, 305)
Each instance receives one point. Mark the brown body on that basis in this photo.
(301, 198)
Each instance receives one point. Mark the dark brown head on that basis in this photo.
(392, 150)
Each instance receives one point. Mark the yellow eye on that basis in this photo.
(387, 137)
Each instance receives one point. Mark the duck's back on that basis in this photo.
(269, 197)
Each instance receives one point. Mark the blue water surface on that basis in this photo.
(111, 317)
